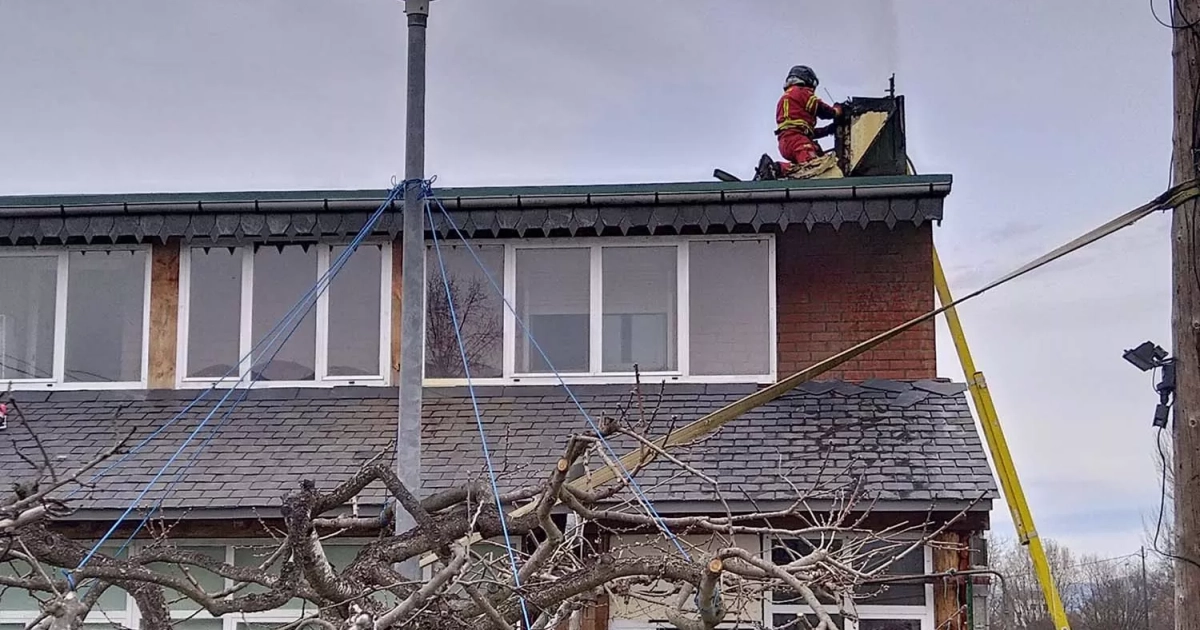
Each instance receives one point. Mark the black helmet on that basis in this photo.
(803, 75)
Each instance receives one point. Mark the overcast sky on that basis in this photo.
(1052, 116)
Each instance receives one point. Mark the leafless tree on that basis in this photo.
(480, 327)
(1098, 593)
(564, 566)
(1016, 603)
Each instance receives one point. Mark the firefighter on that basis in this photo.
(796, 117)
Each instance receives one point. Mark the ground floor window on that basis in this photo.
(897, 606)
(116, 609)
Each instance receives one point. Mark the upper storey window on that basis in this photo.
(235, 299)
(686, 308)
(74, 318)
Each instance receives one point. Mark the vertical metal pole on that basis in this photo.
(412, 297)
(1145, 591)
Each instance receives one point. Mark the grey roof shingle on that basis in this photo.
(908, 441)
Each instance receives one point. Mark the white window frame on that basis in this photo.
(321, 312)
(93, 619)
(58, 382)
(924, 614)
(595, 373)
(661, 624)
(131, 617)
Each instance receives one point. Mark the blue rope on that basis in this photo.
(178, 476)
(269, 338)
(487, 456)
(292, 318)
(186, 467)
(638, 492)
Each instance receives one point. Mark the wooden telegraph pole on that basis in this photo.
(1185, 21)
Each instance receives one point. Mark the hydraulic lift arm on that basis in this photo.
(1001, 458)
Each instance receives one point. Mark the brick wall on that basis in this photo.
(837, 288)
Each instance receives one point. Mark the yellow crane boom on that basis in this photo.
(1006, 472)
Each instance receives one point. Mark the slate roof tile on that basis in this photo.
(825, 433)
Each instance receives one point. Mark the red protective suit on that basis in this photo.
(796, 117)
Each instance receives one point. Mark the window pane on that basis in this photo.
(209, 581)
(780, 620)
(91, 625)
(113, 601)
(255, 556)
(478, 306)
(889, 624)
(281, 278)
(198, 624)
(340, 556)
(105, 302)
(214, 312)
(730, 307)
(354, 306)
(18, 599)
(489, 566)
(639, 308)
(878, 553)
(553, 299)
(27, 303)
(793, 549)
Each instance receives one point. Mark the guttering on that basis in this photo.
(493, 199)
(672, 507)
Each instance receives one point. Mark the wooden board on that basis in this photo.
(164, 314)
(397, 283)
(948, 593)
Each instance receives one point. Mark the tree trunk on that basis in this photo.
(1186, 321)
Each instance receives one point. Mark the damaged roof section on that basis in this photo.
(638, 209)
(905, 441)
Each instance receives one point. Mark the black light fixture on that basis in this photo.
(1149, 356)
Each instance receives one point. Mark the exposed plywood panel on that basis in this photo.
(948, 610)
(397, 281)
(863, 131)
(164, 314)
(596, 616)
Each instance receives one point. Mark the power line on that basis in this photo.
(1172, 25)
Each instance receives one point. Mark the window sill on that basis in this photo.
(603, 379)
(55, 386)
(367, 381)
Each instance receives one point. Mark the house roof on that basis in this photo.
(912, 443)
(668, 208)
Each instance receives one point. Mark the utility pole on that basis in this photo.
(412, 292)
(1145, 592)
(1186, 318)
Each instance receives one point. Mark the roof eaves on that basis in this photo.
(924, 186)
(249, 511)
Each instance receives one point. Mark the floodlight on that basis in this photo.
(1147, 356)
